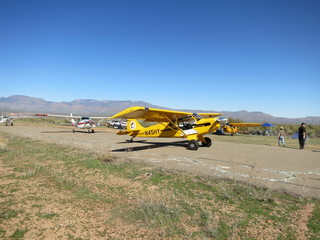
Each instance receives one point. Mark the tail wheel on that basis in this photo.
(193, 145)
(208, 142)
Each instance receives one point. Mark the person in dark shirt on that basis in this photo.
(302, 135)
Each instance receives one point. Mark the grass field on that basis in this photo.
(48, 191)
(312, 143)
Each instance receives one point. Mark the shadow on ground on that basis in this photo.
(70, 131)
(150, 145)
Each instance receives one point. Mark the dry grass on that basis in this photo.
(3, 143)
(312, 143)
(53, 192)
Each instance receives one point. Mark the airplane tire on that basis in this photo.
(208, 142)
(193, 145)
(73, 130)
(92, 131)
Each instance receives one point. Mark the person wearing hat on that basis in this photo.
(302, 135)
(281, 137)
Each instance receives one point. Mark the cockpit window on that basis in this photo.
(197, 116)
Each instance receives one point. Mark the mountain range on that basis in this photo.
(26, 105)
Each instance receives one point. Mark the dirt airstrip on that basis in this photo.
(285, 169)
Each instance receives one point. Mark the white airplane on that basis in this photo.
(83, 122)
(7, 120)
(117, 124)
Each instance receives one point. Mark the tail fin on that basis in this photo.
(133, 125)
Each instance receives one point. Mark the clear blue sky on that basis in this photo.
(255, 55)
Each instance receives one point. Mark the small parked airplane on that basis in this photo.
(83, 122)
(171, 124)
(233, 128)
(7, 120)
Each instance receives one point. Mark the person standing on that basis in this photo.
(302, 135)
(281, 137)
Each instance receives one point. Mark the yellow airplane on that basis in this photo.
(170, 124)
(233, 128)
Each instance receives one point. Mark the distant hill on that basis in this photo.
(24, 104)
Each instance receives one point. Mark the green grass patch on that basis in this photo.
(314, 223)
(47, 215)
(2, 232)
(6, 214)
(155, 214)
(19, 234)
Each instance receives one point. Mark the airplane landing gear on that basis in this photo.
(131, 140)
(207, 143)
(193, 145)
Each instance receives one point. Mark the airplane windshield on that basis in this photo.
(197, 116)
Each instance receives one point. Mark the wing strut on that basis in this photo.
(175, 124)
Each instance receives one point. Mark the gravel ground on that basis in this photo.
(283, 169)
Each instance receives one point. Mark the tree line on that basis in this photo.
(290, 129)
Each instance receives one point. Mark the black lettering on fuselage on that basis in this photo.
(152, 132)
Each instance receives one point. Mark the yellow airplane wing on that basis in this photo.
(155, 115)
(245, 124)
(209, 115)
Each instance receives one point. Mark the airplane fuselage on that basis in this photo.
(188, 130)
(85, 125)
(6, 120)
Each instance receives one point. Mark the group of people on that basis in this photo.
(302, 134)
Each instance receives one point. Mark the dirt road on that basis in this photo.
(290, 170)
